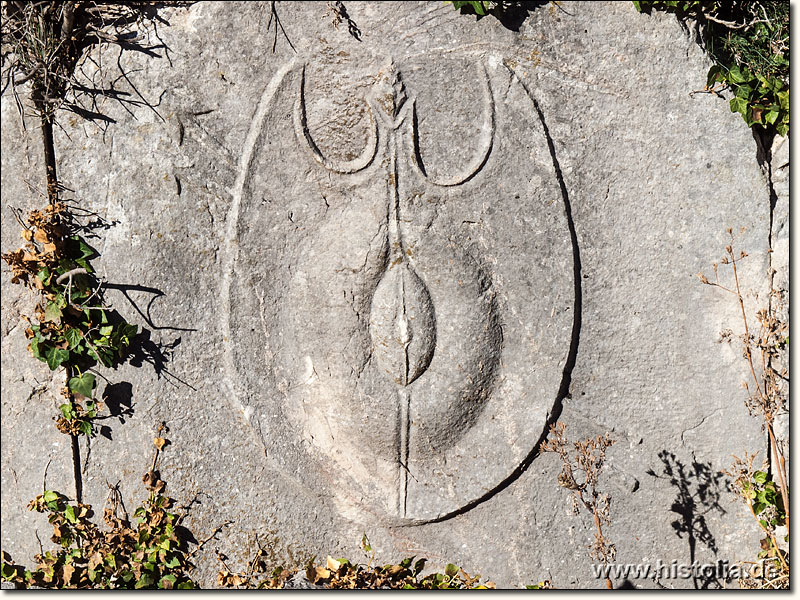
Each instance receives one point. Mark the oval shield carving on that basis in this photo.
(406, 305)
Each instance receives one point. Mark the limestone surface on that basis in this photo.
(373, 261)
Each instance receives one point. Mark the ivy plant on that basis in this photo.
(749, 44)
(71, 327)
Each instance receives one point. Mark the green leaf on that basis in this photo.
(56, 357)
(714, 75)
(82, 385)
(758, 507)
(186, 585)
(760, 477)
(451, 570)
(86, 428)
(39, 348)
(78, 248)
(480, 8)
(736, 75)
(66, 410)
(771, 117)
(82, 262)
(744, 91)
(107, 330)
(739, 105)
(173, 563)
(144, 581)
(69, 513)
(406, 562)
(44, 275)
(73, 337)
(50, 496)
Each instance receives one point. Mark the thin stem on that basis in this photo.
(609, 585)
(76, 449)
(781, 467)
(746, 329)
(49, 156)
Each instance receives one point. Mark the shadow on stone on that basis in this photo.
(510, 14)
(157, 354)
(699, 490)
(118, 398)
(144, 349)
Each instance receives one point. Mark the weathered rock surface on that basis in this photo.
(370, 271)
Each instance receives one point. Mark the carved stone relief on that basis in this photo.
(416, 323)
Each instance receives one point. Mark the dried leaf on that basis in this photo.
(159, 442)
(67, 573)
(41, 236)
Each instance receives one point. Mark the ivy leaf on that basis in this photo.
(714, 75)
(53, 313)
(86, 428)
(69, 513)
(480, 8)
(83, 385)
(39, 349)
(744, 91)
(736, 75)
(78, 249)
(144, 581)
(771, 117)
(739, 105)
(56, 357)
(73, 337)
